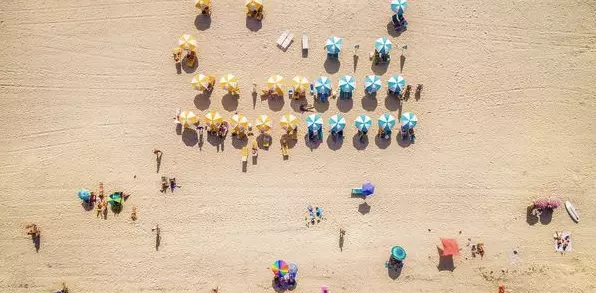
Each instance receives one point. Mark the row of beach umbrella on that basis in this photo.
(314, 122)
(322, 85)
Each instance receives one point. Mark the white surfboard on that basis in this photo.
(572, 212)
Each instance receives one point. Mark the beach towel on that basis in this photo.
(565, 240)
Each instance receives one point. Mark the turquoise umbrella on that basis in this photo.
(408, 120)
(323, 85)
(398, 253)
(372, 83)
(363, 123)
(314, 122)
(333, 45)
(115, 198)
(396, 83)
(84, 195)
(399, 6)
(383, 45)
(386, 122)
(347, 84)
(337, 123)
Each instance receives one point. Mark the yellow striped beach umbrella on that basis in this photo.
(254, 5)
(201, 81)
(229, 82)
(188, 118)
(213, 118)
(263, 123)
(187, 42)
(239, 122)
(202, 4)
(288, 122)
(301, 83)
(274, 83)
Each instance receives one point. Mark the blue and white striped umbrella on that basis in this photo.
(334, 44)
(314, 122)
(408, 120)
(399, 6)
(363, 123)
(337, 123)
(372, 83)
(323, 85)
(347, 84)
(396, 83)
(386, 122)
(383, 45)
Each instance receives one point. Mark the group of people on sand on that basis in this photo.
(407, 133)
(313, 216)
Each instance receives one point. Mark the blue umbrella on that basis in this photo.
(386, 122)
(399, 6)
(84, 195)
(323, 85)
(408, 120)
(396, 83)
(333, 45)
(398, 253)
(372, 83)
(363, 123)
(347, 84)
(337, 123)
(368, 189)
(314, 122)
(383, 45)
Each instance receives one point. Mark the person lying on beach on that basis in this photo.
(306, 108)
(223, 129)
(319, 212)
(133, 214)
(33, 230)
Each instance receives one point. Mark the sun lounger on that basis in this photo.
(357, 191)
(244, 154)
(304, 42)
(282, 38)
(255, 148)
(266, 141)
(284, 150)
(312, 90)
(288, 41)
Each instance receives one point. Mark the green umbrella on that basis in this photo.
(115, 198)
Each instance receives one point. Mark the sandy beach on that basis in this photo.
(88, 90)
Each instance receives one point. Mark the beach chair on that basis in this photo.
(255, 148)
(287, 41)
(282, 38)
(357, 191)
(291, 93)
(295, 134)
(312, 90)
(244, 154)
(304, 42)
(284, 151)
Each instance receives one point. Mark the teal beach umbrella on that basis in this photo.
(363, 123)
(323, 85)
(372, 83)
(337, 123)
(383, 45)
(314, 122)
(399, 6)
(408, 120)
(347, 84)
(84, 195)
(333, 45)
(396, 83)
(386, 122)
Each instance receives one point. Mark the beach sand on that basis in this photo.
(89, 88)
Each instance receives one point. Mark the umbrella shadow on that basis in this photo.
(178, 129)
(36, 239)
(370, 102)
(311, 143)
(404, 143)
(360, 142)
(216, 141)
(88, 206)
(332, 66)
(188, 69)
(391, 30)
(345, 105)
(289, 140)
(446, 263)
(157, 241)
(116, 208)
(253, 24)
(190, 137)
(379, 69)
(546, 216)
(276, 104)
(202, 22)
(334, 142)
(202, 100)
(230, 102)
(321, 107)
(239, 142)
(402, 62)
(364, 208)
(393, 103)
(295, 104)
(381, 142)
(394, 271)
(356, 57)
(260, 141)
